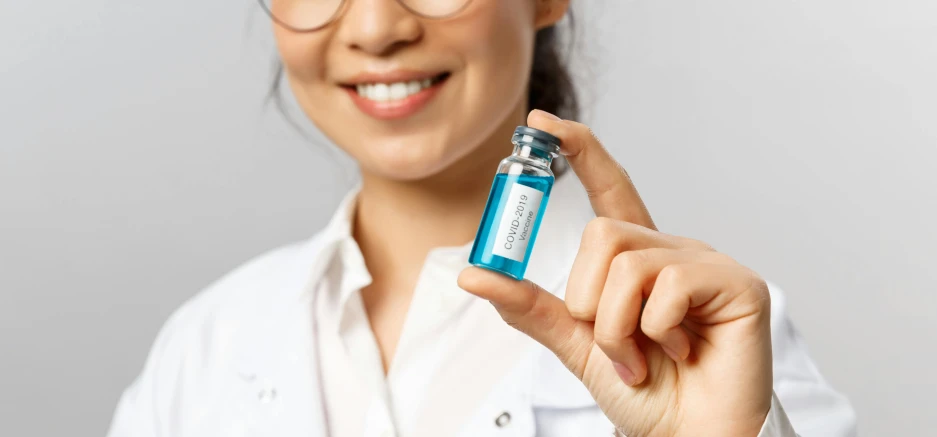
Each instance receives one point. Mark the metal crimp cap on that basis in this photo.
(537, 139)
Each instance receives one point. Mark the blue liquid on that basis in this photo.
(482, 255)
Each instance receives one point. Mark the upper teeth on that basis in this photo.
(382, 92)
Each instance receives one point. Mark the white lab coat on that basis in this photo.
(240, 359)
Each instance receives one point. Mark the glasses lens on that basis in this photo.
(436, 8)
(302, 14)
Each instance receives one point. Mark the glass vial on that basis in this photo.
(516, 204)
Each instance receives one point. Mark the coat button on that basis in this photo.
(267, 394)
(503, 420)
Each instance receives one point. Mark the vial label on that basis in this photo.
(517, 222)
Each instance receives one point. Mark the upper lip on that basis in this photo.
(390, 77)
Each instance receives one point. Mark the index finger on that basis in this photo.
(608, 185)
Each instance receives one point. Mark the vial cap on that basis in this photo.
(537, 138)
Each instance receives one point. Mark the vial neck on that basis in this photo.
(535, 156)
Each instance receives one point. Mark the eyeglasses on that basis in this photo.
(310, 15)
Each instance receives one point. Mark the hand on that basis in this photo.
(671, 337)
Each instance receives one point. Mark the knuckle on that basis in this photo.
(695, 244)
(607, 338)
(583, 313)
(674, 276)
(758, 288)
(599, 231)
(592, 134)
(530, 303)
(512, 323)
(721, 258)
(757, 295)
(581, 307)
(651, 328)
(631, 261)
(582, 129)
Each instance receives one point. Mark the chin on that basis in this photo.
(411, 173)
(409, 160)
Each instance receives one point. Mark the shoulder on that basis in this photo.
(207, 326)
(207, 332)
(244, 292)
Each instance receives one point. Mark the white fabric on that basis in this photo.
(243, 357)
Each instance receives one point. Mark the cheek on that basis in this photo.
(498, 48)
(303, 55)
(501, 37)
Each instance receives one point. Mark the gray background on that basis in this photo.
(137, 164)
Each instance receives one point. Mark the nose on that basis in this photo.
(378, 27)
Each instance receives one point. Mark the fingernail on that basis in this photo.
(673, 355)
(624, 373)
(547, 115)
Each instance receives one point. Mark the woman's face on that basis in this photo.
(408, 96)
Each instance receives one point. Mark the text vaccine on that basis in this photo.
(516, 204)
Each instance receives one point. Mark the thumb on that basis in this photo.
(535, 312)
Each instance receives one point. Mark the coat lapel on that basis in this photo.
(276, 362)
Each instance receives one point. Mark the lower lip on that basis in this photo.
(395, 109)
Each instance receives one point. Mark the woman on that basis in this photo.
(378, 327)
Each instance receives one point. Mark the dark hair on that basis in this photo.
(551, 85)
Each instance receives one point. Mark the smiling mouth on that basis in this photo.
(395, 100)
(393, 91)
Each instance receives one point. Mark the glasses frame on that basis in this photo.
(341, 9)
